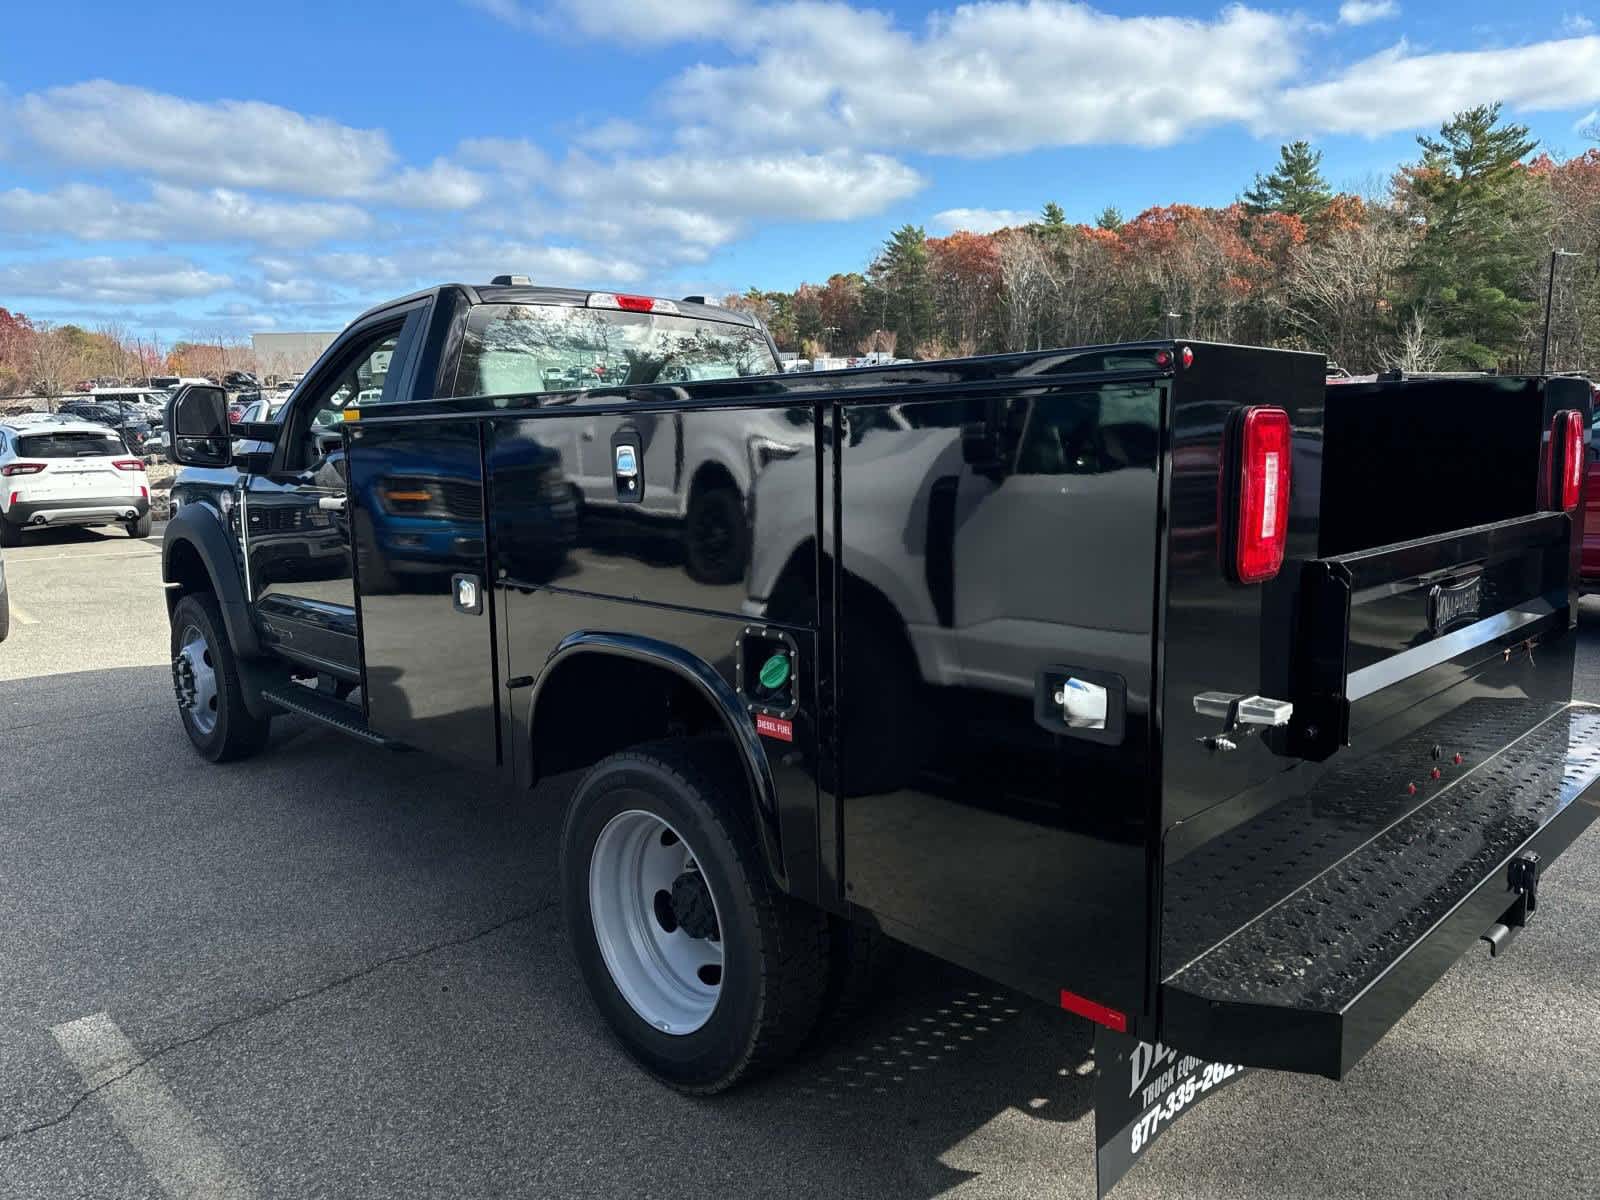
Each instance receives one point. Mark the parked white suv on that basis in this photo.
(55, 472)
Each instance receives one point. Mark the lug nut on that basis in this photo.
(1435, 773)
(1456, 760)
(1411, 789)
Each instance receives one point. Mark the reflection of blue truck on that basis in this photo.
(424, 510)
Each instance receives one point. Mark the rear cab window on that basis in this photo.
(70, 443)
(523, 348)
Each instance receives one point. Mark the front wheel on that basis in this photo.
(206, 678)
(704, 970)
(716, 535)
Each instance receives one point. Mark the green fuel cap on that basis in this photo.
(775, 672)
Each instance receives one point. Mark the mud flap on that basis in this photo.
(1139, 1091)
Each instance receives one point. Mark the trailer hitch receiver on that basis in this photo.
(1522, 878)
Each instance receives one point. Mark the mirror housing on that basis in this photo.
(198, 434)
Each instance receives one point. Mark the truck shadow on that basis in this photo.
(322, 857)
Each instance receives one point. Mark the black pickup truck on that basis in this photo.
(1163, 682)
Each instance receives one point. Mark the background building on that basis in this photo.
(281, 354)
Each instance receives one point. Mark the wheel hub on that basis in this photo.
(194, 681)
(692, 909)
(183, 681)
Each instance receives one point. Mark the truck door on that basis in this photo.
(417, 517)
(295, 528)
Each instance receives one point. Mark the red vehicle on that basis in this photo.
(1590, 574)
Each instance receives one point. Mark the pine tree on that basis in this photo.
(901, 287)
(1472, 268)
(1052, 216)
(1295, 186)
(1110, 218)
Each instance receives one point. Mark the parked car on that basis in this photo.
(124, 418)
(55, 472)
(241, 381)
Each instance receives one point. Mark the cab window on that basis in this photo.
(361, 377)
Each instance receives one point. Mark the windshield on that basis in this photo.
(69, 444)
(515, 348)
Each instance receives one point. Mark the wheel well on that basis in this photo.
(185, 572)
(709, 476)
(595, 704)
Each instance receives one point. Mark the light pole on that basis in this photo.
(1549, 298)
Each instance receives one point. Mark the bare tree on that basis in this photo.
(1415, 349)
(1028, 282)
(1339, 289)
(54, 358)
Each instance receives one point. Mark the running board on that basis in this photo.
(325, 710)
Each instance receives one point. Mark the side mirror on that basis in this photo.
(197, 427)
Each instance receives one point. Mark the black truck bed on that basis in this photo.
(1412, 882)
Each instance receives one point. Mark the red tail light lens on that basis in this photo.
(21, 468)
(1566, 445)
(129, 464)
(1261, 512)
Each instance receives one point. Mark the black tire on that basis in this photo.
(5, 615)
(775, 947)
(140, 526)
(236, 733)
(10, 535)
(372, 572)
(716, 535)
(861, 960)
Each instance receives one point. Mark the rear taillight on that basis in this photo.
(630, 303)
(1256, 464)
(1566, 453)
(129, 464)
(22, 468)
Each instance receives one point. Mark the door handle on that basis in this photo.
(331, 503)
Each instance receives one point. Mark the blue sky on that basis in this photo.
(217, 169)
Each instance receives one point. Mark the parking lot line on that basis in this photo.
(22, 616)
(187, 1164)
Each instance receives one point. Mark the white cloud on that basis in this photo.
(1364, 12)
(980, 220)
(176, 214)
(140, 280)
(1576, 23)
(1396, 90)
(515, 157)
(833, 186)
(644, 22)
(614, 134)
(989, 79)
(230, 143)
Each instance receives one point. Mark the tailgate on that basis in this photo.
(1320, 875)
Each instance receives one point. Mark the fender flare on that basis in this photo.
(200, 526)
(716, 691)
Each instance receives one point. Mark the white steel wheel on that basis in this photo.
(194, 678)
(656, 922)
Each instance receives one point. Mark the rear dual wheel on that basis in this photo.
(705, 971)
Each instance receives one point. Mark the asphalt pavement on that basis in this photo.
(337, 971)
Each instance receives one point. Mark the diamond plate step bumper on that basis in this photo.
(1312, 982)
